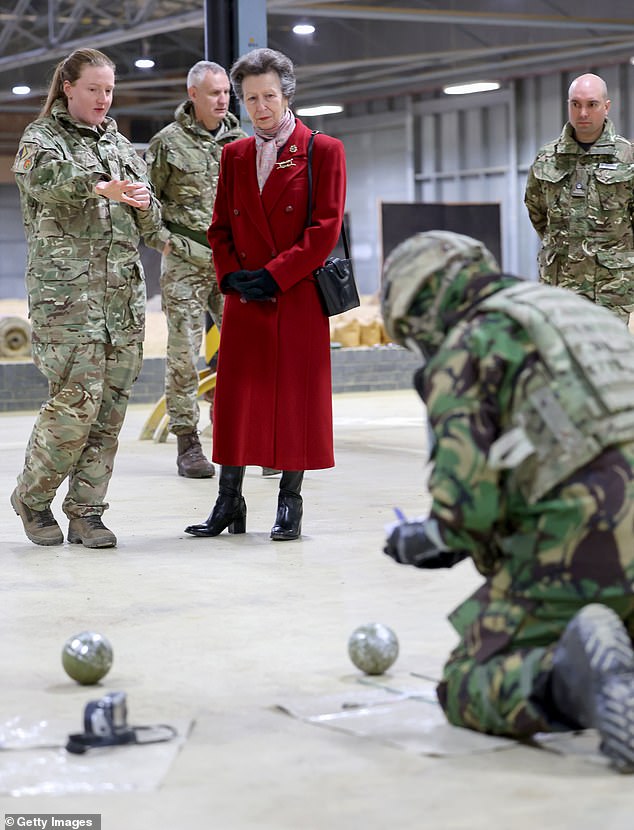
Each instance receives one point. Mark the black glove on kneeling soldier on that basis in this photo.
(419, 543)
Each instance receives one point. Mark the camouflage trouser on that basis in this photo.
(613, 291)
(496, 683)
(186, 292)
(76, 431)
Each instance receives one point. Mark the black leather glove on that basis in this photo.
(420, 544)
(256, 285)
(231, 281)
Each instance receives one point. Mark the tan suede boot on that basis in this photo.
(90, 532)
(40, 526)
(191, 461)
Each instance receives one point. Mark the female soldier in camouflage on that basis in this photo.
(529, 392)
(85, 202)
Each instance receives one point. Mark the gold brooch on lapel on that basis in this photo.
(281, 165)
(293, 148)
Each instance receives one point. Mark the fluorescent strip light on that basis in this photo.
(321, 109)
(467, 89)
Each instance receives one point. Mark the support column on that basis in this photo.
(232, 27)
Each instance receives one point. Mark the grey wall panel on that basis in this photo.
(472, 137)
(12, 244)
(551, 95)
(465, 152)
(378, 170)
(496, 136)
(427, 160)
(449, 142)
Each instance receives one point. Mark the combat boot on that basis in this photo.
(191, 462)
(40, 526)
(592, 681)
(90, 532)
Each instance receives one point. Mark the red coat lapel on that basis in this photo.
(291, 165)
(246, 181)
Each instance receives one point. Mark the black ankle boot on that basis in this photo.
(230, 509)
(288, 522)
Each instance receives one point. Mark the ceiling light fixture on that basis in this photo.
(320, 109)
(144, 63)
(21, 89)
(467, 89)
(303, 28)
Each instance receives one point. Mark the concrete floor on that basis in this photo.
(217, 631)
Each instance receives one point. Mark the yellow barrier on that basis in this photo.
(157, 425)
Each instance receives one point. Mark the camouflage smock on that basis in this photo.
(574, 545)
(184, 164)
(84, 278)
(581, 203)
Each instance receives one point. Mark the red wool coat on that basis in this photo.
(273, 402)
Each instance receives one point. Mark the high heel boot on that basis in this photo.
(230, 509)
(288, 522)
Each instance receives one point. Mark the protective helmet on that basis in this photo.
(417, 280)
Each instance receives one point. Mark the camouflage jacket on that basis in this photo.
(84, 278)
(577, 539)
(581, 203)
(184, 164)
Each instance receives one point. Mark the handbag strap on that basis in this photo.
(344, 235)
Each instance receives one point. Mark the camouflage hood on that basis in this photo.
(230, 127)
(431, 282)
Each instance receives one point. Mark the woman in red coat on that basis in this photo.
(273, 401)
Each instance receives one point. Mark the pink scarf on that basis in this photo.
(268, 142)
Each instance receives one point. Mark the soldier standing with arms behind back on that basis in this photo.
(85, 202)
(184, 164)
(580, 200)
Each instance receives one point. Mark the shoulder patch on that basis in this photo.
(24, 158)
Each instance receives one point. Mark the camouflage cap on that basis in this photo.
(429, 260)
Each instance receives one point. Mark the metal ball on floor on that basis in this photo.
(373, 648)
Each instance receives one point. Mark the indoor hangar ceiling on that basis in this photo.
(360, 52)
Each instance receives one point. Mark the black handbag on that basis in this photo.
(335, 278)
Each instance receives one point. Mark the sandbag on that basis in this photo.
(347, 333)
(370, 334)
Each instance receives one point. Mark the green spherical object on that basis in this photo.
(373, 648)
(87, 657)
